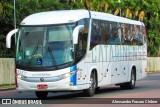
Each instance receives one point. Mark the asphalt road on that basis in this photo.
(148, 87)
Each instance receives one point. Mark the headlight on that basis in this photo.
(19, 76)
(73, 70)
(67, 74)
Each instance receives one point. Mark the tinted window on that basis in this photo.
(94, 34)
(113, 33)
(133, 34)
(82, 39)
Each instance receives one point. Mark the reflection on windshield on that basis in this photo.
(45, 46)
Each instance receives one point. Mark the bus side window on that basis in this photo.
(119, 34)
(94, 34)
(130, 33)
(82, 39)
(122, 33)
(127, 32)
(144, 34)
(114, 38)
(107, 36)
(81, 46)
(104, 32)
(139, 35)
(134, 36)
(110, 33)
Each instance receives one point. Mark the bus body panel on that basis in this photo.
(117, 63)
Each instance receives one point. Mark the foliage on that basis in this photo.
(147, 11)
(6, 24)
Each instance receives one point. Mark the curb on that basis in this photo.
(5, 88)
(153, 72)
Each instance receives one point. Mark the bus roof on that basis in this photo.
(69, 16)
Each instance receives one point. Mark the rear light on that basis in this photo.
(16, 77)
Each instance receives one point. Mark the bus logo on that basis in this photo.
(42, 79)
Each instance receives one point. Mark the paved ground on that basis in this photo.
(146, 88)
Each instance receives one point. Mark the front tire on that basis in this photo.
(91, 90)
(41, 94)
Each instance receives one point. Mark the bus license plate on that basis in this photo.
(42, 86)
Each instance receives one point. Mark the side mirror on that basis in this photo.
(8, 38)
(76, 31)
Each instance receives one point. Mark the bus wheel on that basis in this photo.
(91, 90)
(41, 94)
(132, 83)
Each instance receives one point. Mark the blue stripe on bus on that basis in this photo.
(73, 68)
(73, 78)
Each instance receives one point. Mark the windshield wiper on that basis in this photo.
(52, 56)
(33, 53)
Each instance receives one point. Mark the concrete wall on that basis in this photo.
(7, 75)
(153, 64)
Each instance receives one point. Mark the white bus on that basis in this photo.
(71, 50)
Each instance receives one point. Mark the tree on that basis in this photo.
(147, 11)
(6, 23)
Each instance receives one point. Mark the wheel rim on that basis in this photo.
(93, 84)
(133, 79)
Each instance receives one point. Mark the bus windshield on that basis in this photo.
(44, 46)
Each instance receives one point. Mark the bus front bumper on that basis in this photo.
(51, 86)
